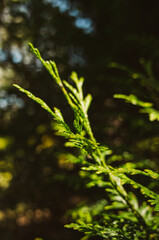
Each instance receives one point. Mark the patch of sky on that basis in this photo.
(7, 100)
(74, 12)
(38, 64)
(16, 55)
(63, 5)
(84, 23)
(3, 55)
(23, 9)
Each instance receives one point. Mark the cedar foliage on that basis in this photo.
(124, 213)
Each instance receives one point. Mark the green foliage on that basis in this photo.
(124, 214)
(146, 107)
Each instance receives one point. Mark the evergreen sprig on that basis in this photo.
(122, 216)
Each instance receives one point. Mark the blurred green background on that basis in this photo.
(37, 185)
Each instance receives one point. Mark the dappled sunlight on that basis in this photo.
(5, 178)
(37, 216)
(5, 142)
(63, 162)
(46, 142)
(24, 216)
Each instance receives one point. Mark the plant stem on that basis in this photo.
(114, 181)
(124, 195)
